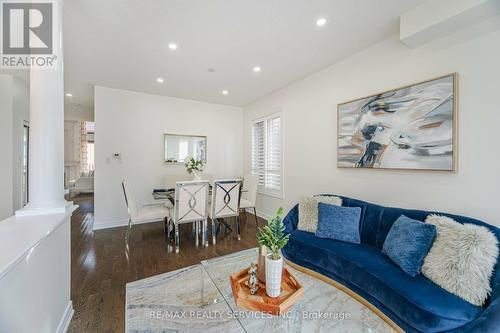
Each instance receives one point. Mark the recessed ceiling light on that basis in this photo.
(321, 22)
(256, 69)
(225, 92)
(172, 46)
(69, 95)
(160, 80)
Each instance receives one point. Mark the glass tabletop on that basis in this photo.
(323, 308)
(185, 300)
(203, 293)
(163, 195)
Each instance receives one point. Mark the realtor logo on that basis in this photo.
(27, 34)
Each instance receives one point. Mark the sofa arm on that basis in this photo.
(291, 219)
(487, 322)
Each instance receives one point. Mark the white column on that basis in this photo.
(46, 150)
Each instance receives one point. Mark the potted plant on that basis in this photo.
(194, 167)
(273, 237)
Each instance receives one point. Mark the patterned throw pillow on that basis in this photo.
(308, 211)
(408, 242)
(462, 259)
(339, 223)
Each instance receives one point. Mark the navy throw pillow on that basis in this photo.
(408, 243)
(338, 222)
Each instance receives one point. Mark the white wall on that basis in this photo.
(35, 271)
(14, 110)
(309, 121)
(6, 139)
(133, 124)
(21, 109)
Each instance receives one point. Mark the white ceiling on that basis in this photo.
(124, 44)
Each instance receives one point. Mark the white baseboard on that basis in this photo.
(98, 225)
(117, 223)
(260, 214)
(66, 319)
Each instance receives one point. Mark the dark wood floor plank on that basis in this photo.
(102, 264)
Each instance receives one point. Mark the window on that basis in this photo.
(266, 159)
(87, 132)
(183, 150)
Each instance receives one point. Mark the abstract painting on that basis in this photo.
(412, 127)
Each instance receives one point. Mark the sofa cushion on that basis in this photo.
(408, 242)
(337, 222)
(415, 301)
(461, 259)
(308, 211)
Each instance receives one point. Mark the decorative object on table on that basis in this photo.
(413, 127)
(194, 167)
(462, 258)
(273, 237)
(253, 283)
(176, 148)
(261, 264)
(308, 210)
(291, 291)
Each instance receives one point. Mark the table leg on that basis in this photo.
(197, 233)
(238, 227)
(205, 233)
(214, 234)
(176, 227)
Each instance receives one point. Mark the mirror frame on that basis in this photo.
(186, 135)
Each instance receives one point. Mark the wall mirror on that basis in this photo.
(179, 147)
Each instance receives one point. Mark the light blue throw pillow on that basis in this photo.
(339, 223)
(408, 242)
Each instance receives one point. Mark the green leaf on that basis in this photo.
(273, 235)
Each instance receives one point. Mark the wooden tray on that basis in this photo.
(291, 292)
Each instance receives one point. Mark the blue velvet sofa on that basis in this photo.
(415, 304)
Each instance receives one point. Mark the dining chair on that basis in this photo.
(249, 195)
(191, 206)
(149, 212)
(225, 203)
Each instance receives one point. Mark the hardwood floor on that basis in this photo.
(102, 263)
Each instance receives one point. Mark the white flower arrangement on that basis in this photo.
(193, 165)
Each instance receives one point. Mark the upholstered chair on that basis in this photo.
(249, 194)
(191, 206)
(149, 212)
(225, 203)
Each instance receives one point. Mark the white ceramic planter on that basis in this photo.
(274, 269)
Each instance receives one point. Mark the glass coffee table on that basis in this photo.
(199, 299)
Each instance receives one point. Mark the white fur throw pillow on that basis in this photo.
(461, 259)
(308, 211)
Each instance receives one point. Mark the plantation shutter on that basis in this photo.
(273, 154)
(258, 149)
(266, 154)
